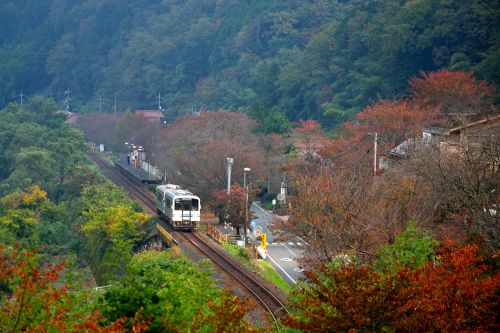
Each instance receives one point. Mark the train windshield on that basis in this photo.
(186, 204)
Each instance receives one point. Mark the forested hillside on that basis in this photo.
(320, 59)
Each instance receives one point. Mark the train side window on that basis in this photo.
(194, 204)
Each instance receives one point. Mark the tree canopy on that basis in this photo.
(304, 59)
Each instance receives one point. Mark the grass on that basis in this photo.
(268, 272)
(267, 205)
(107, 157)
(202, 227)
(264, 269)
(237, 252)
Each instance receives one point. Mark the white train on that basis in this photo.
(178, 207)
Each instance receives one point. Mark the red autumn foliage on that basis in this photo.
(433, 98)
(193, 151)
(232, 205)
(393, 120)
(457, 293)
(226, 316)
(33, 300)
(98, 127)
(452, 92)
(309, 138)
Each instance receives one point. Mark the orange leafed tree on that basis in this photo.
(452, 92)
(328, 212)
(393, 120)
(396, 121)
(232, 205)
(309, 138)
(32, 299)
(457, 293)
(227, 316)
(431, 99)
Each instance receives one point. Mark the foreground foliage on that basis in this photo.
(176, 295)
(457, 292)
(33, 299)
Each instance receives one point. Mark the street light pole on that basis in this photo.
(230, 161)
(245, 170)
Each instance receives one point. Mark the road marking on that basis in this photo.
(262, 209)
(291, 279)
(286, 259)
(290, 251)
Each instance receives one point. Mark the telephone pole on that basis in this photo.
(245, 186)
(375, 137)
(115, 103)
(159, 102)
(67, 99)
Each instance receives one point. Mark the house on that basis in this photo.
(309, 149)
(154, 116)
(449, 139)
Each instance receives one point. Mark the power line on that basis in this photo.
(356, 162)
(346, 152)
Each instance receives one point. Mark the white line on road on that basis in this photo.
(262, 209)
(291, 279)
(290, 251)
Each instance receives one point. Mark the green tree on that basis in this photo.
(176, 294)
(19, 216)
(413, 248)
(110, 228)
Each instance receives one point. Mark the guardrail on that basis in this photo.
(216, 234)
(165, 235)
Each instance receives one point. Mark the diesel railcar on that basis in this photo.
(178, 207)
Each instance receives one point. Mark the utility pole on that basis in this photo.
(159, 102)
(100, 103)
(230, 162)
(115, 103)
(375, 137)
(22, 100)
(67, 99)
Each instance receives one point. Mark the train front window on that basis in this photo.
(186, 204)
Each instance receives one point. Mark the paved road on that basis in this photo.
(282, 256)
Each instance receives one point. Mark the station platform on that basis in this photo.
(137, 173)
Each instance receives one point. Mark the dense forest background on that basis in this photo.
(306, 59)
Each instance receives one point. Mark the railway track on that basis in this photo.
(267, 299)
